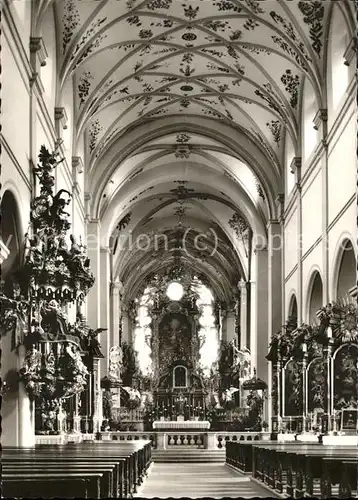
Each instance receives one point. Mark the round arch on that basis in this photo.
(11, 235)
(292, 307)
(344, 269)
(237, 143)
(314, 295)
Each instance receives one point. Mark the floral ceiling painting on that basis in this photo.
(135, 60)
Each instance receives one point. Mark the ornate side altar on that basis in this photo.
(315, 373)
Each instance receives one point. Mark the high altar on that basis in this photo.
(179, 392)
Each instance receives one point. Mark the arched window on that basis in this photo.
(180, 376)
(10, 234)
(292, 310)
(347, 270)
(316, 298)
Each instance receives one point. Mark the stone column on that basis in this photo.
(93, 251)
(97, 416)
(116, 313)
(320, 124)
(230, 324)
(275, 291)
(94, 315)
(243, 315)
(105, 273)
(26, 409)
(259, 310)
(126, 325)
(223, 313)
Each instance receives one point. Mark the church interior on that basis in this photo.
(178, 248)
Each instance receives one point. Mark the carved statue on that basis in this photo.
(54, 322)
(75, 247)
(115, 363)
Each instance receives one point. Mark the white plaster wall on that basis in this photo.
(311, 212)
(313, 262)
(21, 14)
(345, 227)
(15, 107)
(341, 168)
(48, 72)
(291, 242)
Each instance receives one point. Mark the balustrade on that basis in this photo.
(187, 439)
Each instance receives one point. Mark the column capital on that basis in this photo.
(116, 286)
(295, 167)
(78, 167)
(61, 116)
(259, 248)
(272, 222)
(350, 52)
(37, 46)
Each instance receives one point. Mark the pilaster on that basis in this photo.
(243, 314)
(275, 294)
(258, 312)
(321, 126)
(116, 313)
(104, 279)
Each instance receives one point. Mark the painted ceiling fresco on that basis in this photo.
(239, 61)
(186, 106)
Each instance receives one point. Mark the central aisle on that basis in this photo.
(194, 480)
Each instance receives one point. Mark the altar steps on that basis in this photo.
(193, 455)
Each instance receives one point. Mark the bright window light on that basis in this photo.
(175, 291)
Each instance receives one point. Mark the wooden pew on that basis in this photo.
(45, 485)
(293, 467)
(50, 467)
(114, 483)
(131, 460)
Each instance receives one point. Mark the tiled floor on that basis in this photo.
(195, 480)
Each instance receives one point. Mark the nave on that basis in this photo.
(178, 247)
(198, 480)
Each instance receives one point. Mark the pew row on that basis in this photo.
(93, 469)
(297, 469)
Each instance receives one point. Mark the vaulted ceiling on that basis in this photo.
(201, 94)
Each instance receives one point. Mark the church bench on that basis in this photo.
(116, 464)
(293, 467)
(30, 468)
(133, 458)
(122, 477)
(48, 485)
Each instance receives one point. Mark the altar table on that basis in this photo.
(182, 425)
